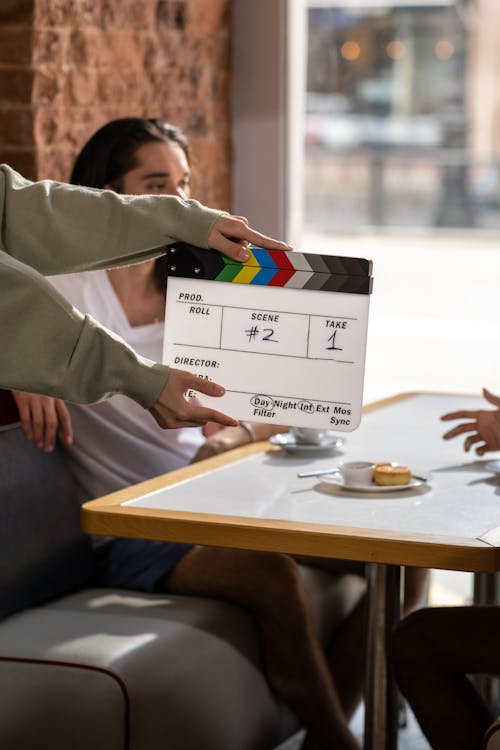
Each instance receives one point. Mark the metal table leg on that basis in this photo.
(381, 699)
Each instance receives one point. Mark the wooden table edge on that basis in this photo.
(369, 545)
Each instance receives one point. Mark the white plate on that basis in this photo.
(338, 481)
(493, 466)
(287, 441)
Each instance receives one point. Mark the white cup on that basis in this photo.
(357, 472)
(308, 435)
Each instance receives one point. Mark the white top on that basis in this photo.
(116, 442)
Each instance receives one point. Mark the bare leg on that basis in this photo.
(347, 655)
(433, 652)
(269, 586)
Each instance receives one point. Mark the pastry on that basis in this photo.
(386, 473)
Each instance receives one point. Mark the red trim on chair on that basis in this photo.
(492, 730)
(121, 684)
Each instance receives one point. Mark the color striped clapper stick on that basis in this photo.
(284, 333)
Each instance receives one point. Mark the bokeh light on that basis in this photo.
(395, 50)
(350, 50)
(444, 49)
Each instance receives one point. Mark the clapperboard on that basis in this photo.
(284, 333)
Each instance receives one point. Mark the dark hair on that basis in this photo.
(111, 152)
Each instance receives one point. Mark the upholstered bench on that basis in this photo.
(492, 737)
(101, 669)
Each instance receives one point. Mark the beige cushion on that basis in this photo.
(112, 670)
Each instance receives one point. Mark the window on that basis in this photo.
(372, 128)
(390, 122)
(401, 165)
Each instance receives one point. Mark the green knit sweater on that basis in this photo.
(46, 345)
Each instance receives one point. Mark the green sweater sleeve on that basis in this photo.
(49, 347)
(59, 228)
(46, 346)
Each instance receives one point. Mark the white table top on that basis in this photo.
(461, 498)
(255, 500)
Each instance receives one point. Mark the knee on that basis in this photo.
(280, 578)
(281, 568)
(410, 641)
(415, 587)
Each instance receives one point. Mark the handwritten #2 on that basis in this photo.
(285, 333)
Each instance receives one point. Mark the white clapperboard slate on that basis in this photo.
(284, 333)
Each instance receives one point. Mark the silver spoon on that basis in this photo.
(304, 474)
(323, 472)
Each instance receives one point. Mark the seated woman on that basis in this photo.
(436, 649)
(114, 444)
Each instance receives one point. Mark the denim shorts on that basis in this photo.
(136, 564)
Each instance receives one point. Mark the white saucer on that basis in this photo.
(493, 466)
(338, 481)
(287, 441)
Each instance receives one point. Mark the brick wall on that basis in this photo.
(69, 66)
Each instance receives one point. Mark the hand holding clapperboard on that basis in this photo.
(284, 333)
